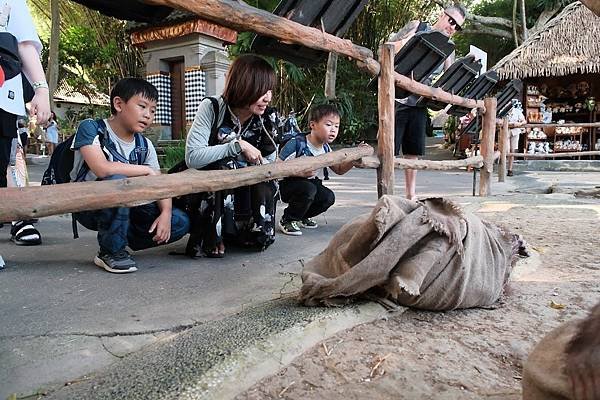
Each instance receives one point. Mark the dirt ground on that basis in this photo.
(467, 354)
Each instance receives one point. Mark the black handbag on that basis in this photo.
(9, 56)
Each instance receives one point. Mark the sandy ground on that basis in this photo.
(467, 354)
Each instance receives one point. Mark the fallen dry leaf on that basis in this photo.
(557, 306)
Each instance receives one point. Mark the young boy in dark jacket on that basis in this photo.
(306, 195)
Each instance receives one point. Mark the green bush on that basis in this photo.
(173, 156)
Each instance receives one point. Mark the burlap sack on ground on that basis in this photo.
(429, 255)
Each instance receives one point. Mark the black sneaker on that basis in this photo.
(118, 263)
(309, 223)
(290, 228)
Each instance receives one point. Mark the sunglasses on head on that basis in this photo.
(453, 23)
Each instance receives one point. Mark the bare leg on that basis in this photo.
(509, 146)
(410, 183)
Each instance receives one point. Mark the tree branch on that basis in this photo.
(487, 30)
(479, 18)
(473, 18)
(544, 17)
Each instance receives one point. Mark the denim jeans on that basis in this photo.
(120, 227)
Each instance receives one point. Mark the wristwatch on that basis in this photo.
(237, 147)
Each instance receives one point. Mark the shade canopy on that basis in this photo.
(131, 10)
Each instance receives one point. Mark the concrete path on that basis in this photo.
(63, 318)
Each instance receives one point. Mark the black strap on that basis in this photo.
(212, 140)
(422, 26)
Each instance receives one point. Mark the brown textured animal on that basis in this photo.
(593, 5)
(565, 365)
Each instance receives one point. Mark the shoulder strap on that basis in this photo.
(300, 144)
(141, 148)
(212, 140)
(422, 26)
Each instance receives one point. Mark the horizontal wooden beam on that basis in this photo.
(41, 201)
(554, 155)
(437, 94)
(404, 163)
(565, 125)
(242, 17)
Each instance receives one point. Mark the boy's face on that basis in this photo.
(136, 114)
(326, 129)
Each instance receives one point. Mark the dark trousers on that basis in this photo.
(5, 147)
(120, 227)
(306, 198)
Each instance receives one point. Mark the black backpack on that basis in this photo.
(301, 146)
(61, 163)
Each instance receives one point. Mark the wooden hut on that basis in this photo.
(560, 69)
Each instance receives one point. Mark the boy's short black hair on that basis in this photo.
(319, 112)
(126, 88)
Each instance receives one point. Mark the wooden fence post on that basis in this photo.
(487, 146)
(504, 147)
(385, 136)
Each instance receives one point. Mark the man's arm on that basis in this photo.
(400, 38)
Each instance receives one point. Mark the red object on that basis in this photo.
(2, 77)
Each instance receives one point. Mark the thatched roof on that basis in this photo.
(568, 44)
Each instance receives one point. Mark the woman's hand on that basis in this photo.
(40, 106)
(251, 153)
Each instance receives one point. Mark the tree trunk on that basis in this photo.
(385, 136)
(52, 71)
(524, 20)
(331, 76)
(487, 146)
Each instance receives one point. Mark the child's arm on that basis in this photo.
(288, 152)
(101, 167)
(346, 166)
(162, 225)
(342, 168)
(88, 143)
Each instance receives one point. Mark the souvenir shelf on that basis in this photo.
(570, 108)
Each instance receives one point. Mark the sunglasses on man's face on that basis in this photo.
(453, 23)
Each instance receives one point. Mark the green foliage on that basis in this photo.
(95, 50)
(173, 155)
(495, 46)
(68, 124)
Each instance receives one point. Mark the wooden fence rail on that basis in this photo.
(444, 165)
(554, 155)
(40, 201)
